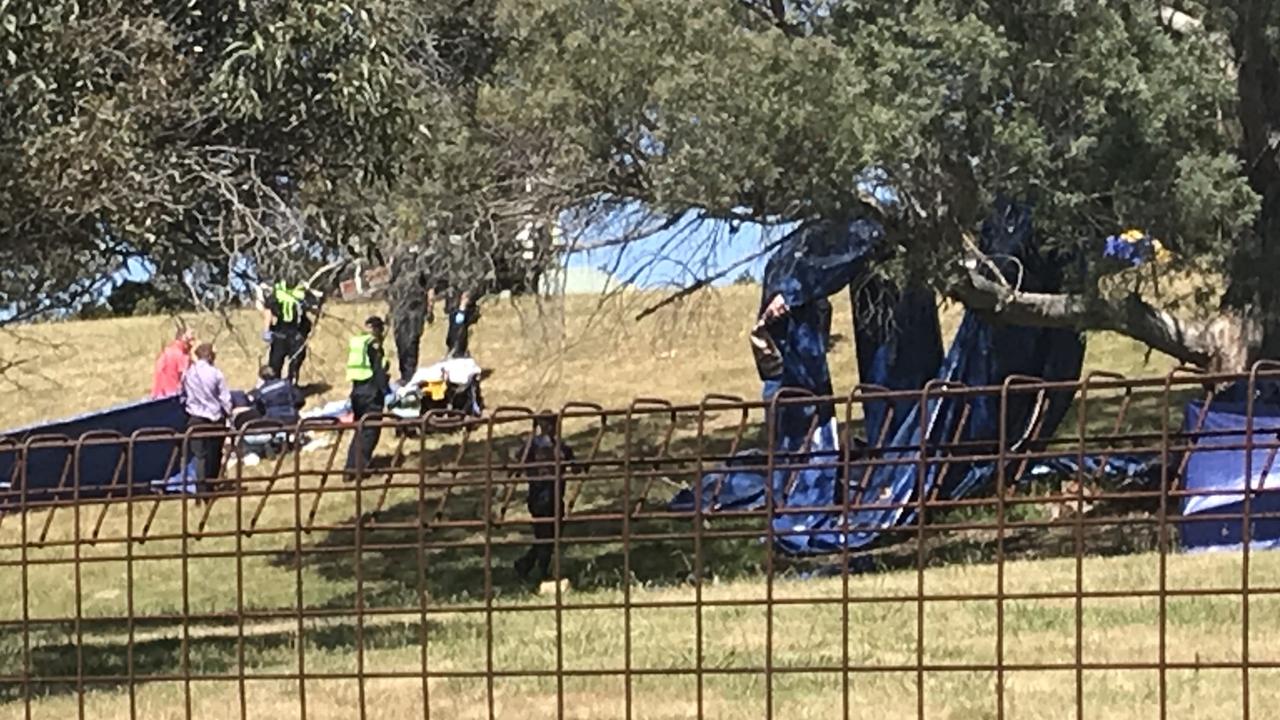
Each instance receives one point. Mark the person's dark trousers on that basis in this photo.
(457, 337)
(295, 363)
(364, 401)
(458, 343)
(408, 332)
(542, 506)
(206, 451)
(239, 420)
(286, 348)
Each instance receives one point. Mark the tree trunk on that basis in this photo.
(1254, 288)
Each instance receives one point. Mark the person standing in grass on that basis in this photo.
(546, 458)
(367, 369)
(463, 313)
(287, 326)
(412, 300)
(166, 380)
(207, 401)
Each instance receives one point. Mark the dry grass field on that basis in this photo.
(540, 355)
(597, 353)
(1114, 631)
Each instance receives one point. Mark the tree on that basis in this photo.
(1107, 114)
(223, 143)
(219, 142)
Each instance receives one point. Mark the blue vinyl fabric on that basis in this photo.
(982, 354)
(1223, 474)
(901, 352)
(898, 341)
(812, 264)
(103, 464)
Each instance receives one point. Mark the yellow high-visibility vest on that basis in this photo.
(359, 367)
(288, 299)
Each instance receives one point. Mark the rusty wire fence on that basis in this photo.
(288, 590)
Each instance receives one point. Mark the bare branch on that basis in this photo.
(706, 281)
(1132, 316)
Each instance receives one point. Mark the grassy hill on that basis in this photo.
(541, 353)
(300, 588)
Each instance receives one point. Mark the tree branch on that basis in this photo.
(703, 282)
(706, 281)
(1131, 316)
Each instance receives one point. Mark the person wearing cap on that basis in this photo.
(367, 369)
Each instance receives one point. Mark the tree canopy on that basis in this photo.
(1102, 113)
(211, 139)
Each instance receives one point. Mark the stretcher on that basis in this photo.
(449, 385)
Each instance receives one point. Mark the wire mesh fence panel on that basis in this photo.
(1085, 549)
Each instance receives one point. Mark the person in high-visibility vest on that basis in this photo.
(367, 369)
(287, 328)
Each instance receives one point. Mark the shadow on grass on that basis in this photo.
(56, 660)
(456, 563)
(983, 546)
(312, 389)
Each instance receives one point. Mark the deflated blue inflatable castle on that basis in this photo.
(1218, 470)
(105, 464)
(899, 347)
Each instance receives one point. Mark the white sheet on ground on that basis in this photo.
(456, 371)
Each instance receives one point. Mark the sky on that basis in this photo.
(689, 251)
(683, 254)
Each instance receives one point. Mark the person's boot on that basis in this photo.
(522, 567)
(544, 570)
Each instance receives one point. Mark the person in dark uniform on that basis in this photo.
(276, 399)
(287, 328)
(274, 403)
(552, 458)
(367, 369)
(412, 301)
(463, 313)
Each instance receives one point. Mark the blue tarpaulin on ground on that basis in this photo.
(102, 462)
(1221, 474)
